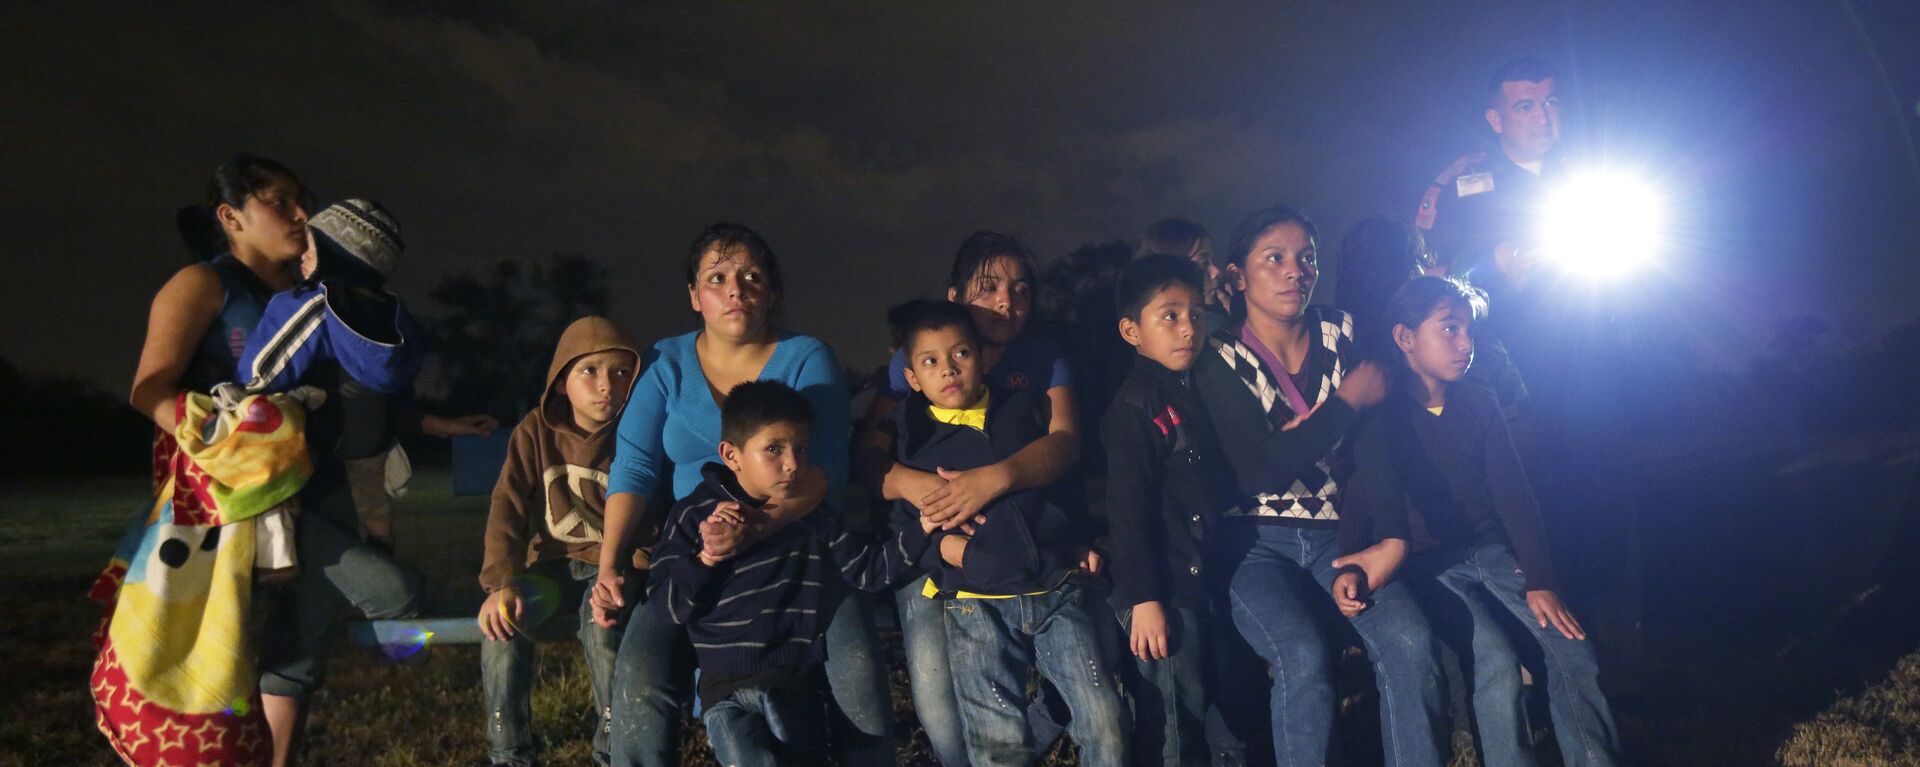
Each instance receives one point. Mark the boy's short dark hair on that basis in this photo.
(755, 405)
(1415, 300)
(1141, 280)
(914, 317)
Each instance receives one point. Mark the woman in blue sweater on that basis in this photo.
(670, 429)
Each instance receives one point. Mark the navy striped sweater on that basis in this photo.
(760, 612)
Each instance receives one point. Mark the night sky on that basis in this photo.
(865, 141)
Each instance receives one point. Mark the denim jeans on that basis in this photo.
(506, 667)
(1279, 595)
(1170, 701)
(335, 564)
(995, 643)
(862, 715)
(923, 632)
(1475, 596)
(768, 726)
(652, 685)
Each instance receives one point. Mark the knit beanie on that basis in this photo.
(364, 230)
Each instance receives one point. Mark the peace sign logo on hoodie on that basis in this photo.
(570, 517)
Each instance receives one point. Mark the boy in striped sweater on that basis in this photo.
(755, 614)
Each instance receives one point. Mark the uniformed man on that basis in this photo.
(1480, 213)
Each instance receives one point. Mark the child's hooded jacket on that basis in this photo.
(552, 492)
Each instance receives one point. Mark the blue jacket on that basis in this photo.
(368, 333)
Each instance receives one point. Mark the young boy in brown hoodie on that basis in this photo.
(543, 532)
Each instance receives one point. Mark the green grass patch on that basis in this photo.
(1880, 726)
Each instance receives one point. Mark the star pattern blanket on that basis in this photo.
(174, 681)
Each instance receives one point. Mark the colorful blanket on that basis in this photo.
(174, 681)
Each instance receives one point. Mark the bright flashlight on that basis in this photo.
(1604, 224)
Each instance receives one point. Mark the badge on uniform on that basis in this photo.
(1473, 183)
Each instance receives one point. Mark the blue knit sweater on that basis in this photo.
(672, 420)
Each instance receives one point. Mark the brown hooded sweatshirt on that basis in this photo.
(552, 491)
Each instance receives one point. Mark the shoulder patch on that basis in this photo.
(1458, 167)
(1473, 183)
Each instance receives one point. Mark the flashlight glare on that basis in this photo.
(1603, 224)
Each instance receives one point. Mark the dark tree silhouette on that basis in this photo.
(493, 337)
(62, 426)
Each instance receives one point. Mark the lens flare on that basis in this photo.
(1604, 224)
(539, 598)
(407, 645)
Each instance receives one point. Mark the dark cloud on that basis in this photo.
(866, 140)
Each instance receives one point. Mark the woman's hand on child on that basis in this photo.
(808, 492)
(1547, 609)
(1377, 563)
(607, 599)
(1349, 594)
(721, 533)
(1149, 631)
(912, 485)
(500, 614)
(965, 494)
(1363, 386)
(725, 511)
(927, 526)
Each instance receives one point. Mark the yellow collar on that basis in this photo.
(974, 415)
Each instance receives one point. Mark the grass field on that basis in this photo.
(371, 712)
(1752, 658)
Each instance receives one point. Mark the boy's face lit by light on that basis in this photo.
(944, 364)
(1167, 328)
(771, 460)
(597, 385)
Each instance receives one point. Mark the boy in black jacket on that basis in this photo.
(1166, 484)
(1013, 602)
(755, 615)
